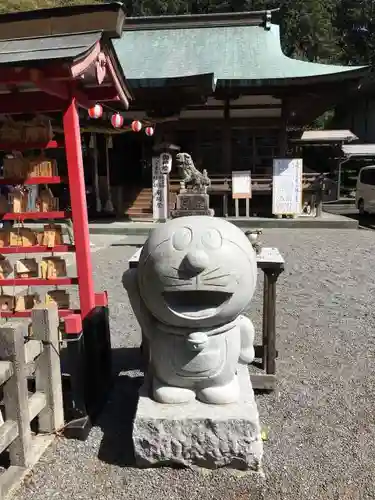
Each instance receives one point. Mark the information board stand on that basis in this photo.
(287, 186)
(241, 190)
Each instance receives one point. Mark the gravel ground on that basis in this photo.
(320, 420)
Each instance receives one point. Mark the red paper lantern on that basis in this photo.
(149, 131)
(96, 111)
(117, 120)
(136, 126)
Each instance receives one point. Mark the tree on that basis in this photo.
(307, 31)
(354, 23)
(23, 5)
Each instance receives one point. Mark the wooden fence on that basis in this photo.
(21, 357)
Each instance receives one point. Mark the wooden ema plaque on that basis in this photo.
(53, 267)
(42, 167)
(22, 237)
(26, 268)
(26, 302)
(46, 202)
(4, 204)
(5, 267)
(18, 167)
(18, 201)
(51, 236)
(6, 303)
(59, 297)
(32, 131)
(14, 167)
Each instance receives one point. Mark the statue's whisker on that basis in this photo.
(210, 271)
(217, 284)
(210, 278)
(174, 285)
(176, 277)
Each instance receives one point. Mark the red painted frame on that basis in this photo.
(58, 89)
(79, 207)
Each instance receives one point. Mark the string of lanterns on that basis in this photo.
(117, 120)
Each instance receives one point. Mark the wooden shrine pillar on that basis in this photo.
(79, 207)
(283, 132)
(227, 139)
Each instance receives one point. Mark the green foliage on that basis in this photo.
(23, 5)
(354, 22)
(334, 31)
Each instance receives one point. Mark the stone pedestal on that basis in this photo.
(192, 203)
(198, 434)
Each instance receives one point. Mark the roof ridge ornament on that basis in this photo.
(100, 67)
(268, 20)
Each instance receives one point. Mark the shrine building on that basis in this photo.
(220, 87)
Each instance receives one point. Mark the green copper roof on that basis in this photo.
(239, 54)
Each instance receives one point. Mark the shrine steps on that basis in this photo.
(139, 204)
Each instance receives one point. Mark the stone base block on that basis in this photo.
(186, 213)
(198, 434)
(192, 203)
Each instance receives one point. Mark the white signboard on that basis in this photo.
(159, 191)
(241, 184)
(287, 186)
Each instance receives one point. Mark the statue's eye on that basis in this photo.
(212, 239)
(182, 238)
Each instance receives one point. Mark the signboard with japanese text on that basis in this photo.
(287, 186)
(159, 191)
(241, 184)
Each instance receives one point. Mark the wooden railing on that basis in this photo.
(222, 184)
(20, 357)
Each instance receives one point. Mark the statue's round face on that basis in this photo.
(197, 272)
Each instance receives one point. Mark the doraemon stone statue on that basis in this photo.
(195, 277)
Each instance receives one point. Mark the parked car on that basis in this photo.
(365, 193)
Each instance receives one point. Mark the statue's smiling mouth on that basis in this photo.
(196, 303)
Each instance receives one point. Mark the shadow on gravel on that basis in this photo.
(116, 420)
(365, 221)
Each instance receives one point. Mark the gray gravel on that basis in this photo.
(321, 419)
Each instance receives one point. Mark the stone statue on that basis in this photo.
(196, 276)
(253, 236)
(190, 174)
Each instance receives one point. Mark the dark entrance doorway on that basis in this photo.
(133, 159)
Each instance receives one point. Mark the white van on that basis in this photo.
(365, 195)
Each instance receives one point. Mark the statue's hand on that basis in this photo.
(247, 339)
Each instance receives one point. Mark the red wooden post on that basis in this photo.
(79, 207)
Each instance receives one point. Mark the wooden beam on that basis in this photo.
(59, 89)
(255, 123)
(212, 107)
(29, 103)
(103, 17)
(79, 67)
(123, 92)
(15, 76)
(41, 102)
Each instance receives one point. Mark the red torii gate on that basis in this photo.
(57, 60)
